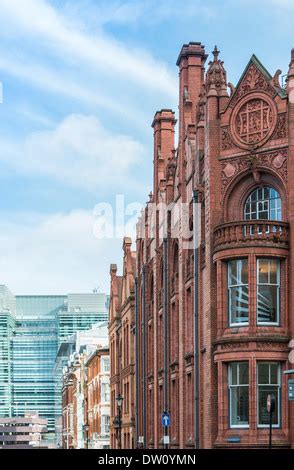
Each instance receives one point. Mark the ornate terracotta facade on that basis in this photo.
(237, 151)
(122, 348)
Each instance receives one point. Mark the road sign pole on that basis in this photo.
(165, 434)
(165, 421)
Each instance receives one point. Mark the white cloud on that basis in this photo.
(39, 19)
(46, 79)
(126, 12)
(58, 253)
(80, 153)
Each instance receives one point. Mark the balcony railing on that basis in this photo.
(251, 232)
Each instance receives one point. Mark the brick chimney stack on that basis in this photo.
(191, 62)
(164, 129)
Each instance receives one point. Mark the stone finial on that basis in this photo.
(216, 76)
(215, 53)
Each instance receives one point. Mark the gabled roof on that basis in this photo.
(270, 87)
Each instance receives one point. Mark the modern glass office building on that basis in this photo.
(7, 328)
(34, 348)
(31, 330)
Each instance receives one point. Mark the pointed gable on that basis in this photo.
(256, 78)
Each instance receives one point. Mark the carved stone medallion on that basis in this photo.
(253, 121)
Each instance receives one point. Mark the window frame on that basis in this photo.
(230, 387)
(279, 395)
(105, 423)
(263, 201)
(229, 287)
(278, 285)
(105, 392)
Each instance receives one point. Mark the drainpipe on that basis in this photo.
(144, 401)
(137, 361)
(165, 332)
(196, 319)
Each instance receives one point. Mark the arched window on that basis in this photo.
(264, 203)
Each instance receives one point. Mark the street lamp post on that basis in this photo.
(118, 419)
(86, 432)
(271, 406)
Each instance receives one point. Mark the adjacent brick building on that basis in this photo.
(69, 410)
(85, 389)
(122, 347)
(98, 400)
(236, 152)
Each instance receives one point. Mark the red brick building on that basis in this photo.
(236, 152)
(69, 411)
(122, 348)
(97, 400)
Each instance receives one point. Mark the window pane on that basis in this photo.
(233, 278)
(234, 373)
(274, 374)
(238, 304)
(267, 303)
(263, 215)
(243, 265)
(238, 272)
(263, 415)
(268, 292)
(239, 405)
(243, 373)
(274, 271)
(263, 271)
(238, 291)
(263, 373)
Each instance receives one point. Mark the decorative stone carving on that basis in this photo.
(276, 78)
(227, 142)
(281, 127)
(253, 121)
(171, 168)
(276, 160)
(216, 75)
(234, 345)
(230, 170)
(254, 80)
(269, 345)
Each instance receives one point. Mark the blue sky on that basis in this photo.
(81, 82)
